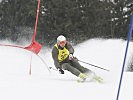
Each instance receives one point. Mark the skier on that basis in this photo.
(62, 54)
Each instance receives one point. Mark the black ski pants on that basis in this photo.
(74, 67)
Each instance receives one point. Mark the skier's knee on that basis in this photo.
(65, 66)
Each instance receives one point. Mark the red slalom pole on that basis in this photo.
(30, 65)
(36, 23)
(34, 35)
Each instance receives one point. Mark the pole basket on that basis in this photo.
(34, 47)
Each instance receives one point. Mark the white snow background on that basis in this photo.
(17, 84)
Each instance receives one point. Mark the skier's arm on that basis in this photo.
(55, 57)
(70, 48)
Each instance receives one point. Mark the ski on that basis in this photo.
(97, 79)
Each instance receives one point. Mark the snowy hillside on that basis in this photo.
(17, 84)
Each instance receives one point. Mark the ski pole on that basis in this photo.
(94, 65)
(53, 68)
(44, 63)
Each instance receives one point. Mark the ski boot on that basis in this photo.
(93, 77)
(82, 78)
(98, 79)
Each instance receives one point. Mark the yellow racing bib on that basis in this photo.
(63, 54)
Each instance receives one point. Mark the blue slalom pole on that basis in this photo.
(129, 38)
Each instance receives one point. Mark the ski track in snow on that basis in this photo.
(17, 84)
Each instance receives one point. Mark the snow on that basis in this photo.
(17, 84)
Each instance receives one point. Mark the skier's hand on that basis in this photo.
(71, 57)
(60, 71)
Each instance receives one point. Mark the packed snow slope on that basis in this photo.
(17, 84)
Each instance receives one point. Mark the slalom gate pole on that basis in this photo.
(36, 23)
(128, 40)
(30, 65)
(93, 65)
(34, 35)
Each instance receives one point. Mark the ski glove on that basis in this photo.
(71, 57)
(60, 71)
